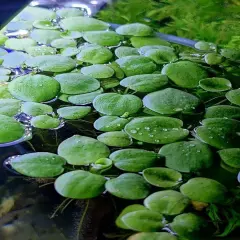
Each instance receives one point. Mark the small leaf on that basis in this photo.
(222, 111)
(124, 51)
(45, 122)
(233, 96)
(215, 84)
(135, 29)
(231, 157)
(63, 43)
(152, 236)
(36, 109)
(72, 113)
(138, 42)
(98, 71)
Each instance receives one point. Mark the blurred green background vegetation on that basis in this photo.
(214, 21)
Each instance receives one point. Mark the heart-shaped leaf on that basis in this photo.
(116, 104)
(24, 88)
(76, 83)
(128, 186)
(170, 101)
(168, 202)
(115, 139)
(192, 156)
(78, 150)
(133, 160)
(205, 190)
(220, 133)
(73, 112)
(215, 84)
(135, 65)
(80, 184)
(35, 109)
(98, 71)
(39, 164)
(110, 123)
(145, 82)
(143, 221)
(162, 177)
(222, 111)
(156, 130)
(185, 74)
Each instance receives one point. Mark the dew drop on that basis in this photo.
(147, 128)
(150, 135)
(165, 129)
(157, 141)
(211, 137)
(140, 133)
(118, 125)
(133, 131)
(192, 145)
(198, 151)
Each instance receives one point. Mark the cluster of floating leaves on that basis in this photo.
(159, 118)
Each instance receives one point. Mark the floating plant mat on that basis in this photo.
(125, 116)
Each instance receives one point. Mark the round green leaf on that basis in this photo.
(110, 123)
(143, 50)
(128, 209)
(45, 122)
(162, 177)
(213, 58)
(115, 139)
(48, 63)
(143, 221)
(168, 202)
(204, 190)
(192, 156)
(83, 24)
(103, 38)
(95, 54)
(161, 56)
(222, 111)
(69, 12)
(74, 112)
(109, 83)
(70, 51)
(76, 83)
(116, 104)
(135, 65)
(220, 133)
(71, 34)
(14, 59)
(231, 157)
(233, 96)
(9, 107)
(36, 109)
(39, 164)
(145, 82)
(44, 24)
(40, 50)
(170, 101)
(152, 236)
(133, 160)
(98, 71)
(63, 43)
(80, 184)
(36, 13)
(156, 130)
(215, 84)
(10, 129)
(125, 51)
(24, 88)
(84, 99)
(189, 226)
(44, 36)
(203, 46)
(232, 54)
(19, 25)
(135, 29)
(128, 186)
(185, 74)
(78, 150)
(138, 42)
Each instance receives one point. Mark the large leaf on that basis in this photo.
(135, 65)
(45, 36)
(39, 164)
(185, 74)
(35, 109)
(192, 156)
(19, 44)
(14, 59)
(143, 221)
(156, 130)
(80, 184)
(170, 101)
(220, 133)
(168, 202)
(49, 63)
(10, 129)
(116, 104)
(223, 111)
(152, 236)
(135, 29)
(124, 186)
(133, 160)
(145, 82)
(24, 88)
(162, 177)
(115, 139)
(205, 190)
(76, 83)
(78, 150)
